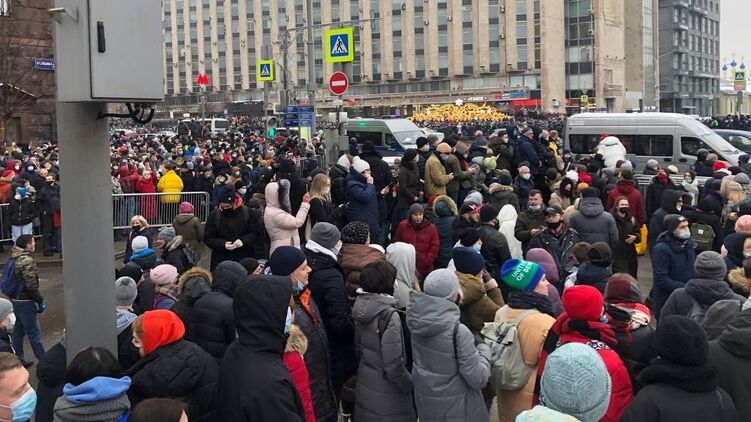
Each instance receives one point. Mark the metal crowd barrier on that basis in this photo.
(159, 209)
(643, 181)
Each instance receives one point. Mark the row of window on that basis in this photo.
(639, 145)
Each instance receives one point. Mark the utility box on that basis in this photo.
(108, 50)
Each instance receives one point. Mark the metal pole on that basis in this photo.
(86, 199)
(203, 103)
(311, 63)
(266, 56)
(285, 51)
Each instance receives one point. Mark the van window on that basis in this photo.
(690, 145)
(653, 145)
(375, 137)
(583, 144)
(739, 141)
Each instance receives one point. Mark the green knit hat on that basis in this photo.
(521, 274)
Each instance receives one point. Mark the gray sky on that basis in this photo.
(734, 30)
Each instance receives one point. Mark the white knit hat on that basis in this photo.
(360, 166)
(139, 243)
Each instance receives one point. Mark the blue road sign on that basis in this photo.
(44, 64)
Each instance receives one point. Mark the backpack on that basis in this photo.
(192, 255)
(508, 372)
(703, 235)
(11, 285)
(698, 312)
(383, 321)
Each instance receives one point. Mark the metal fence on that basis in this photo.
(159, 209)
(643, 181)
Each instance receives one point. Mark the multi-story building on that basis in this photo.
(689, 56)
(521, 53)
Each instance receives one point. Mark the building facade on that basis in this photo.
(541, 54)
(689, 56)
(27, 77)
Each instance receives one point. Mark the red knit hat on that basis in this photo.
(718, 165)
(583, 303)
(160, 327)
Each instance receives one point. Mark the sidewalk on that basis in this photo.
(52, 261)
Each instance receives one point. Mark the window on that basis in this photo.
(583, 144)
(653, 146)
(375, 137)
(690, 145)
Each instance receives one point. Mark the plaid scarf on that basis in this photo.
(170, 290)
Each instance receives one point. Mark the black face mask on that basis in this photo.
(624, 210)
(555, 225)
(135, 228)
(51, 182)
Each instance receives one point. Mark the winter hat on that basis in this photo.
(21, 192)
(442, 283)
(356, 233)
(468, 261)
(505, 178)
(743, 224)
(285, 260)
(474, 197)
(742, 178)
(622, 288)
(553, 209)
(360, 166)
(409, 155)
(599, 253)
(125, 291)
(468, 208)
(681, 340)
(325, 234)
(576, 382)
(710, 265)
(627, 166)
(160, 328)
(719, 165)
(488, 213)
(167, 233)
(744, 158)
(416, 209)
(490, 163)
(164, 274)
(139, 243)
(185, 208)
(652, 164)
(421, 142)
(6, 307)
(572, 175)
(250, 264)
(582, 186)
(468, 237)
(443, 148)
(583, 302)
(521, 274)
(672, 169)
(225, 194)
(672, 221)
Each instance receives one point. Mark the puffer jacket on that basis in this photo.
(337, 175)
(507, 219)
(409, 186)
(424, 238)
(478, 306)
(448, 370)
(594, 224)
(384, 385)
(494, 249)
(353, 258)
(672, 267)
(281, 225)
(436, 179)
(22, 212)
(170, 182)
(174, 254)
(701, 291)
(501, 196)
(297, 345)
(628, 189)
(593, 275)
(212, 318)
(445, 211)
(402, 256)
(190, 228)
(731, 355)
(363, 201)
(560, 249)
(193, 285)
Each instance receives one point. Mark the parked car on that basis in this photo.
(740, 139)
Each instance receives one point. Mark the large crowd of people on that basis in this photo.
(479, 269)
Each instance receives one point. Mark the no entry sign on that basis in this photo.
(338, 83)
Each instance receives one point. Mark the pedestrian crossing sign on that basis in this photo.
(265, 70)
(339, 45)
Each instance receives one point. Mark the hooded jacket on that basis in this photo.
(593, 275)
(628, 189)
(701, 291)
(656, 222)
(190, 228)
(363, 201)
(734, 245)
(478, 305)
(507, 219)
(409, 185)
(594, 224)
(494, 249)
(672, 267)
(739, 282)
(424, 237)
(436, 178)
(384, 384)
(193, 285)
(731, 355)
(212, 319)
(337, 174)
(27, 274)
(449, 371)
(170, 182)
(353, 258)
(281, 225)
(175, 255)
(98, 399)
(402, 256)
(502, 195)
(297, 345)
(445, 211)
(655, 193)
(254, 384)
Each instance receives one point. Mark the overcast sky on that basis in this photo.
(734, 30)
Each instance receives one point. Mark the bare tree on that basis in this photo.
(15, 77)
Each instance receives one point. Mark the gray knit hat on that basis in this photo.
(416, 209)
(6, 307)
(125, 291)
(474, 197)
(167, 233)
(710, 265)
(576, 382)
(442, 283)
(325, 234)
(139, 243)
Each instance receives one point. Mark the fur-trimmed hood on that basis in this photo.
(497, 187)
(448, 203)
(738, 281)
(174, 244)
(277, 195)
(195, 272)
(296, 341)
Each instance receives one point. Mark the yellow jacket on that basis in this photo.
(170, 182)
(436, 178)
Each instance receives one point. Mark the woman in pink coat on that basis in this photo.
(280, 223)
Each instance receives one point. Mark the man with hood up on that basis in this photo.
(254, 384)
(592, 222)
(672, 203)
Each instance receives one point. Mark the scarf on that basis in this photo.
(529, 299)
(170, 290)
(313, 246)
(694, 379)
(304, 300)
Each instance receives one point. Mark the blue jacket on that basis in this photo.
(672, 267)
(444, 223)
(363, 201)
(526, 152)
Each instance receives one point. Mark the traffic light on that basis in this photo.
(270, 126)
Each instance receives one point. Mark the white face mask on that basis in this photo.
(326, 190)
(242, 191)
(526, 176)
(745, 255)
(425, 148)
(12, 322)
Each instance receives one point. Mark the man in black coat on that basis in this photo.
(231, 229)
(188, 176)
(254, 384)
(48, 201)
(495, 248)
(212, 320)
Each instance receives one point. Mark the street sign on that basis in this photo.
(202, 79)
(264, 70)
(739, 80)
(44, 64)
(338, 83)
(338, 45)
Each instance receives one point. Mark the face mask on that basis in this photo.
(326, 191)
(23, 408)
(745, 255)
(526, 176)
(477, 247)
(336, 248)
(534, 208)
(623, 210)
(425, 148)
(444, 157)
(242, 191)
(12, 323)
(288, 321)
(555, 225)
(50, 182)
(679, 207)
(135, 228)
(689, 181)
(604, 319)
(504, 140)
(299, 286)
(684, 234)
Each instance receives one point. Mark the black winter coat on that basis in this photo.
(337, 174)
(494, 249)
(560, 249)
(656, 222)
(444, 221)
(127, 353)
(381, 178)
(655, 191)
(179, 370)
(326, 285)
(593, 275)
(22, 212)
(409, 186)
(221, 227)
(5, 345)
(625, 259)
(731, 355)
(254, 384)
(212, 318)
(525, 222)
(702, 291)
(51, 375)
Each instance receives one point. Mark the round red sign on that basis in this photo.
(338, 83)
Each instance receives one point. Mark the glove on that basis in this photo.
(41, 307)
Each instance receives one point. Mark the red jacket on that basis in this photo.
(296, 346)
(628, 189)
(425, 240)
